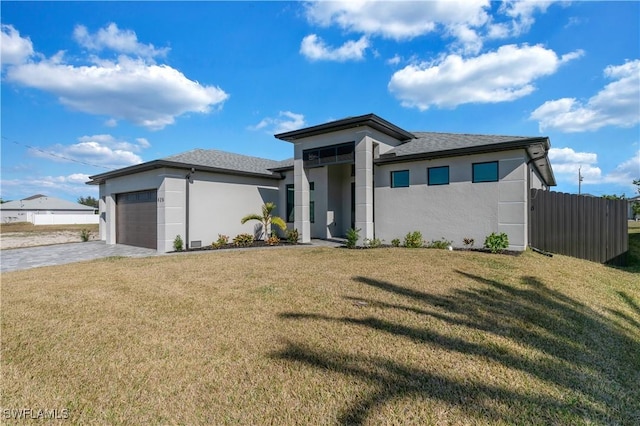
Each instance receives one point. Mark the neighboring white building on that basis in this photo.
(362, 172)
(39, 209)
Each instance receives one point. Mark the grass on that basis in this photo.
(30, 228)
(633, 258)
(325, 336)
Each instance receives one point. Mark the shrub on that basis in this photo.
(243, 240)
(496, 242)
(178, 243)
(353, 235)
(372, 243)
(395, 242)
(222, 240)
(413, 239)
(468, 242)
(273, 240)
(85, 235)
(293, 236)
(440, 244)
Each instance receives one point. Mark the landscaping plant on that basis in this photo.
(266, 219)
(395, 242)
(440, 244)
(293, 236)
(353, 235)
(413, 239)
(243, 240)
(496, 242)
(178, 243)
(222, 240)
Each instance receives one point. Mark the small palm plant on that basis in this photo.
(266, 219)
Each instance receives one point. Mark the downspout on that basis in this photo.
(188, 180)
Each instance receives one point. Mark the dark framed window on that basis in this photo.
(291, 203)
(334, 154)
(400, 179)
(438, 175)
(312, 202)
(485, 172)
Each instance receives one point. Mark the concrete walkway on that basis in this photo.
(60, 254)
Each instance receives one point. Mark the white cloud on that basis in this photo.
(521, 14)
(617, 104)
(395, 60)
(285, 122)
(566, 164)
(113, 38)
(469, 23)
(73, 184)
(396, 20)
(499, 76)
(13, 48)
(129, 89)
(315, 49)
(99, 150)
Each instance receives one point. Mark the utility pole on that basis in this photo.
(580, 178)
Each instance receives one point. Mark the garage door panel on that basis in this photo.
(137, 219)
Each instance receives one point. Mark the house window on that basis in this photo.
(400, 179)
(438, 175)
(334, 154)
(291, 203)
(485, 172)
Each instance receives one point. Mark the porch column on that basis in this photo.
(301, 197)
(364, 186)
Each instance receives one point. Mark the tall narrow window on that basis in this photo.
(438, 175)
(291, 200)
(312, 202)
(400, 179)
(291, 203)
(485, 172)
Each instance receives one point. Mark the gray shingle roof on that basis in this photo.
(225, 161)
(430, 142)
(44, 203)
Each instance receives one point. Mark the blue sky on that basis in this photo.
(89, 86)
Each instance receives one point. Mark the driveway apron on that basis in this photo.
(59, 254)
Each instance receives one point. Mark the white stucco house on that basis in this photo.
(362, 172)
(43, 210)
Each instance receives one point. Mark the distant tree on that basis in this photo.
(615, 197)
(2, 201)
(635, 207)
(88, 201)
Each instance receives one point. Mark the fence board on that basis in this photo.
(581, 226)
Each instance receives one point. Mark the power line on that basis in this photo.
(53, 154)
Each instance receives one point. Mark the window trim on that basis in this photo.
(394, 185)
(473, 172)
(441, 183)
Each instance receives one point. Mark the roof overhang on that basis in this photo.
(368, 120)
(537, 149)
(157, 164)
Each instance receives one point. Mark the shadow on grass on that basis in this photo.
(591, 359)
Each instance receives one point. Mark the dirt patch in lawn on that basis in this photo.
(11, 240)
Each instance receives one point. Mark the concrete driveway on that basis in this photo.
(59, 254)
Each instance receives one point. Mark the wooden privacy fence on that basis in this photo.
(581, 226)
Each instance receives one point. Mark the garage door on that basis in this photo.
(137, 219)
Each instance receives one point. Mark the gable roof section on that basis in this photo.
(370, 120)
(209, 160)
(42, 202)
(428, 145)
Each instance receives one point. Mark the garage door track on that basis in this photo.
(59, 254)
